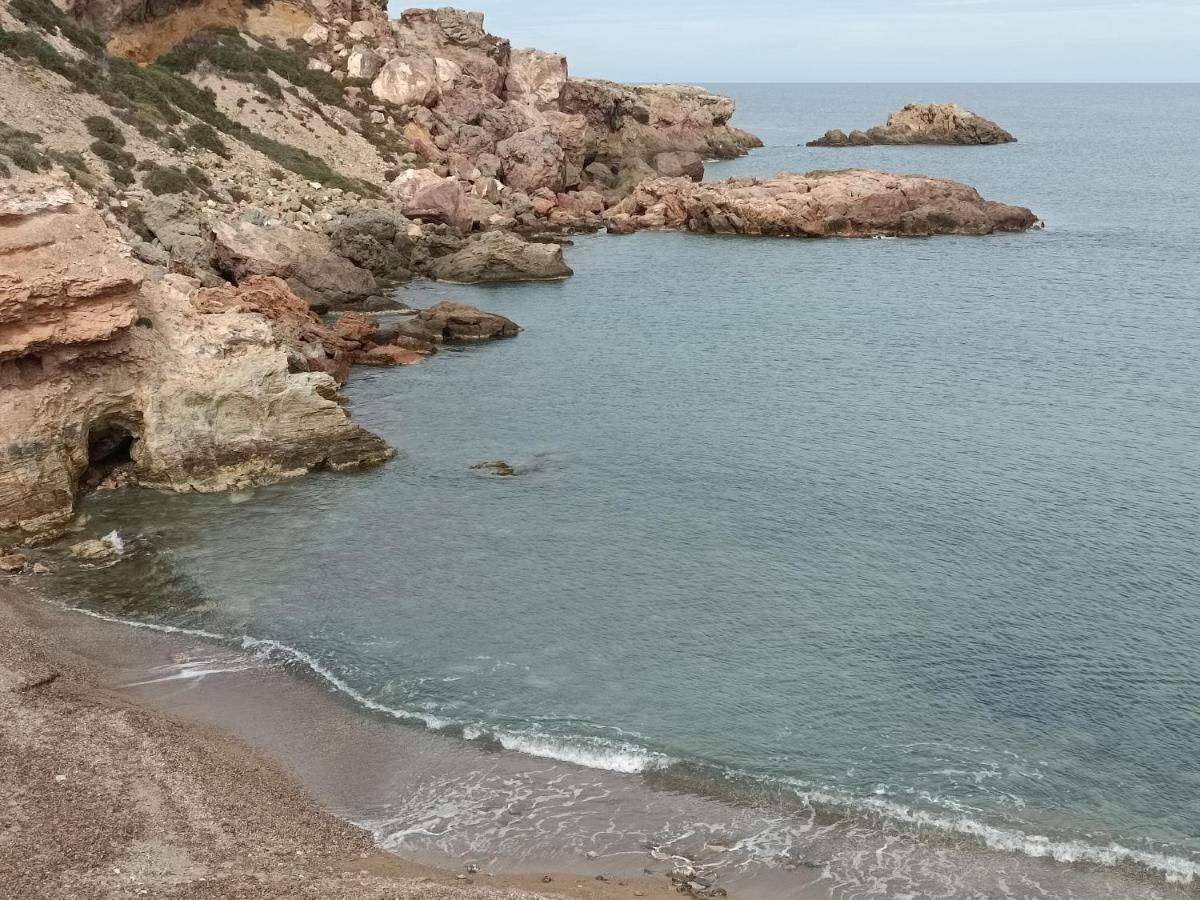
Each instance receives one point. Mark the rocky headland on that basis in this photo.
(208, 207)
(922, 123)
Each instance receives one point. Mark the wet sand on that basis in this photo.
(118, 791)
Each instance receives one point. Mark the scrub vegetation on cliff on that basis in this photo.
(154, 97)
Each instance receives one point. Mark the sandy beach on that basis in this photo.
(110, 796)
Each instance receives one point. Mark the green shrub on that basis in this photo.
(121, 174)
(229, 53)
(45, 15)
(204, 135)
(104, 129)
(159, 90)
(69, 160)
(21, 147)
(113, 154)
(30, 47)
(198, 178)
(167, 180)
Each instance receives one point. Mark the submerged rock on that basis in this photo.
(928, 123)
(849, 203)
(96, 550)
(13, 563)
(496, 467)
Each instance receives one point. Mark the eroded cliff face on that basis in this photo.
(98, 362)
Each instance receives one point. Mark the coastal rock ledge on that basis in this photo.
(100, 364)
(922, 123)
(847, 203)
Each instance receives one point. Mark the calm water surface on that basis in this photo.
(907, 532)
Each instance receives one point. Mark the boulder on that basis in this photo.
(303, 259)
(448, 322)
(368, 239)
(13, 563)
(923, 123)
(388, 355)
(94, 550)
(680, 163)
(363, 64)
(405, 81)
(432, 198)
(849, 203)
(316, 35)
(177, 224)
(532, 159)
(497, 256)
(535, 78)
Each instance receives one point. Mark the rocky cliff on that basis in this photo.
(99, 365)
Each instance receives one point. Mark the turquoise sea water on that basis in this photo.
(907, 532)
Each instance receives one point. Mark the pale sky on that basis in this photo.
(859, 40)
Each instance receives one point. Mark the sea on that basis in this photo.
(847, 568)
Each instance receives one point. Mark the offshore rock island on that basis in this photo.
(922, 123)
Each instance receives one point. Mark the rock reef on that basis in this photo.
(929, 123)
(849, 203)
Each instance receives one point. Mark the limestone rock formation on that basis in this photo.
(849, 203)
(96, 359)
(303, 259)
(928, 123)
(500, 256)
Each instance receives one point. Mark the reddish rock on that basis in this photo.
(388, 355)
(449, 322)
(532, 159)
(849, 203)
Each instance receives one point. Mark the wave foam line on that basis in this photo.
(266, 646)
(1175, 869)
(630, 759)
(590, 753)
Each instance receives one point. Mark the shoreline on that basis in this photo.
(418, 803)
(161, 800)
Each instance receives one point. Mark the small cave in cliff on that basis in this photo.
(110, 450)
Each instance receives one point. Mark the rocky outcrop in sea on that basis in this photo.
(922, 123)
(850, 203)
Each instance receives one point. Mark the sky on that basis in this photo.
(859, 40)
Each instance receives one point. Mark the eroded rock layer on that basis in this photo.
(95, 360)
